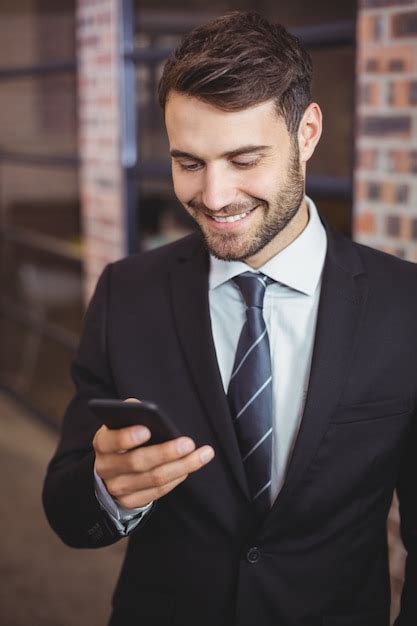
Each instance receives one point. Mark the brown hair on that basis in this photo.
(239, 60)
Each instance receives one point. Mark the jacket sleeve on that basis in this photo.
(407, 495)
(69, 499)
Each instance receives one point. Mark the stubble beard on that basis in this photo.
(277, 215)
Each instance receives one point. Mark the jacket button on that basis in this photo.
(253, 555)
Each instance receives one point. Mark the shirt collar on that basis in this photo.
(298, 266)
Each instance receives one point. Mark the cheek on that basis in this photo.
(185, 187)
(261, 184)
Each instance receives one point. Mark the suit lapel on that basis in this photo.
(341, 308)
(189, 293)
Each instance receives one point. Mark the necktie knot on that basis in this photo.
(252, 287)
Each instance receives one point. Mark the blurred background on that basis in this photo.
(85, 179)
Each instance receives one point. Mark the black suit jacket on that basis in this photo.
(320, 556)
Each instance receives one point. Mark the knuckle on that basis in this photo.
(134, 460)
(131, 500)
(162, 490)
(110, 486)
(131, 462)
(117, 487)
(125, 501)
(158, 477)
(180, 480)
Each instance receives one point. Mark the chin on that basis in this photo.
(229, 250)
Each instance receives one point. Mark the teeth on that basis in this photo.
(232, 218)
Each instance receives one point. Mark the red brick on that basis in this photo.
(388, 193)
(364, 223)
(361, 190)
(399, 93)
(370, 93)
(103, 18)
(368, 27)
(104, 58)
(386, 59)
(403, 161)
(100, 180)
(367, 159)
(88, 40)
(394, 193)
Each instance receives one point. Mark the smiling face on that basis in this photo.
(240, 175)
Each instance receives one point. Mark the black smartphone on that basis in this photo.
(119, 414)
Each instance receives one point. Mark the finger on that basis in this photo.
(108, 440)
(144, 459)
(142, 498)
(126, 484)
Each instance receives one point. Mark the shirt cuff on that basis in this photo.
(124, 519)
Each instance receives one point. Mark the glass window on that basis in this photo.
(38, 114)
(40, 257)
(36, 31)
(40, 199)
(34, 365)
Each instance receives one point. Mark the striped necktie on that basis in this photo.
(250, 391)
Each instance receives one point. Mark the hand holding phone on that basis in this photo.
(117, 414)
(134, 473)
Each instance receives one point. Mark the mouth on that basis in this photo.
(230, 219)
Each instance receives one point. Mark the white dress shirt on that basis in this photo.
(290, 312)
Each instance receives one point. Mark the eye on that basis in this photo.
(191, 166)
(246, 164)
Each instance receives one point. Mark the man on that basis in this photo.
(286, 355)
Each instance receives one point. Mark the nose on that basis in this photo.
(218, 190)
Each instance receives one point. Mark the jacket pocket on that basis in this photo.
(344, 414)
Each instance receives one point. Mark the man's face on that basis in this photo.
(238, 174)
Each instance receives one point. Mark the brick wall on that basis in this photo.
(385, 198)
(101, 185)
(385, 207)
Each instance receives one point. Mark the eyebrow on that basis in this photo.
(176, 154)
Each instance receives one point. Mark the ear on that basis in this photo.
(309, 131)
